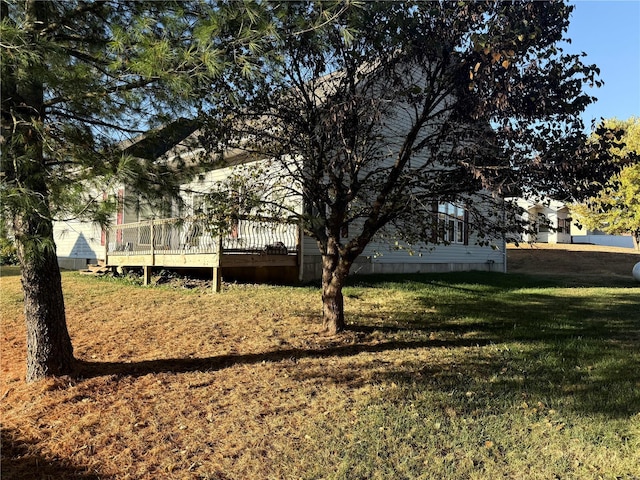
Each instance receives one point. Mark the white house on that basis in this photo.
(267, 250)
(549, 220)
(382, 255)
(262, 248)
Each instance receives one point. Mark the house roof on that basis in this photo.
(539, 203)
(158, 142)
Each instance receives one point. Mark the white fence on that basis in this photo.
(625, 241)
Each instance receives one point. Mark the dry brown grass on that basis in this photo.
(176, 384)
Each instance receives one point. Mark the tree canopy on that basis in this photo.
(615, 208)
(387, 110)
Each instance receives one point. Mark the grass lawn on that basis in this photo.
(456, 376)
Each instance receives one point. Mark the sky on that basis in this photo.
(608, 31)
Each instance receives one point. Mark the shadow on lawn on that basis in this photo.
(9, 271)
(577, 350)
(20, 462)
(556, 377)
(510, 341)
(86, 369)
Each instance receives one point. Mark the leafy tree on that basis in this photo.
(615, 209)
(391, 107)
(80, 79)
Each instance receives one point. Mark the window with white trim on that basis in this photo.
(452, 224)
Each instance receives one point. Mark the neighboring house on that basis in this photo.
(549, 221)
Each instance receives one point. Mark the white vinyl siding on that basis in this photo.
(77, 240)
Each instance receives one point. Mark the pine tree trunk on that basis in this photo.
(49, 349)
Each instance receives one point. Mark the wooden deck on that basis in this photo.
(178, 243)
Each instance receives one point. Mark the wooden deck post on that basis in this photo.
(146, 276)
(106, 246)
(152, 240)
(216, 284)
(147, 268)
(300, 251)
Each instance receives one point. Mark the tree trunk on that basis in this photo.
(49, 349)
(332, 308)
(334, 273)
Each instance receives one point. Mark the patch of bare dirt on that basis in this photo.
(571, 259)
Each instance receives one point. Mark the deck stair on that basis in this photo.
(98, 269)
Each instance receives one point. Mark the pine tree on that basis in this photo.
(79, 80)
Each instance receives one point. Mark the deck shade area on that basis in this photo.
(192, 242)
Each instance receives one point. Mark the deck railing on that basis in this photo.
(193, 235)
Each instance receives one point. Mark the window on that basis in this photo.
(564, 225)
(452, 224)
